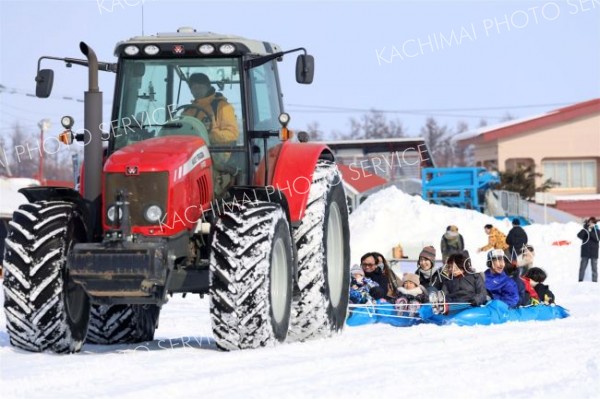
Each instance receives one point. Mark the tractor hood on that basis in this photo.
(177, 155)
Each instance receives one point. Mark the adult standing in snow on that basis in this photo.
(498, 284)
(590, 237)
(368, 262)
(452, 242)
(496, 239)
(428, 276)
(516, 241)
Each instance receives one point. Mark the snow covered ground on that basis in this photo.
(554, 359)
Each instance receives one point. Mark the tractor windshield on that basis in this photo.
(179, 97)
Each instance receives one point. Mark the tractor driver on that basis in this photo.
(213, 110)
(218, 116)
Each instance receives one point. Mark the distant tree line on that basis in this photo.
(20, 156)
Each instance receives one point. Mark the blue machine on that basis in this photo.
(472, 188)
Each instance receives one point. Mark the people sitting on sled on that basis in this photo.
(429, 277)
(512, 271)
(465, 287)
(498, 284)
(410, 295)
(393, 280)
(374, 269)
(535, 277)
(361, 287)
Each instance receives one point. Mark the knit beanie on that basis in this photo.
(428, 253)
(412, 278)
(356, 269)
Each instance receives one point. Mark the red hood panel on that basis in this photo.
(154, 155)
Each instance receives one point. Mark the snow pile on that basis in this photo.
(390, 217)
(11, 198)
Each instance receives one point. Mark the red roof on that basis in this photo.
(361, 180)
(555, 117)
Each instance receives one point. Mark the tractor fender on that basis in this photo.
(66, 194)
(294, 171)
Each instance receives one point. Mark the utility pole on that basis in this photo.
(44, 125)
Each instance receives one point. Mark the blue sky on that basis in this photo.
(452, 60)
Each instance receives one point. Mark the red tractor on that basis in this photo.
(167, 205)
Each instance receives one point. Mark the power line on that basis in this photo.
(350, 109)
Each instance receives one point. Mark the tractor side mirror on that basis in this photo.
(305, 68)
(44, 81)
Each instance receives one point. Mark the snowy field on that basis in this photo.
(555, 359)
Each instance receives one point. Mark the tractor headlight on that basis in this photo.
(132, 50)
(153, 213)
(226, 48)
(111, 214)
(206, 49)
(151, 49)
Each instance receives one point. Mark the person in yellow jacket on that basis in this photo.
(213, 110)
(496, 239)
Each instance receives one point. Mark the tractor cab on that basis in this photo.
(223, 89)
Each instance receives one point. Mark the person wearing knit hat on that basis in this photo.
(428, 276)
(452, 242)
(356, 269)
(410, 296)
(361, 286)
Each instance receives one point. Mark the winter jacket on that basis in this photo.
(516, 240)
(496, 240)
(414, 294)
(590, 239)
(452, 243)
(360, 292)
(544, 293)
(394, 283)
(466, 288)
(221, 125)
(430, 278)
(529, 288)
(502, 287)
(380, 278)
(524, 297)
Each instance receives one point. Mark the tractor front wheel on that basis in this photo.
(45, 309)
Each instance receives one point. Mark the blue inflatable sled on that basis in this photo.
(494, 312)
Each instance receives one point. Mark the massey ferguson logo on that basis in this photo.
(131, 171)
(178, 49)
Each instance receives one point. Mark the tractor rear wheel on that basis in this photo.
(323, 244)
(251, 276)
(45, 309)
(122, 324)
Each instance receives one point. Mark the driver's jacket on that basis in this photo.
(222, 127)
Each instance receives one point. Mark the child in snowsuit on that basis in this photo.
(411, 295)
(360, 286)
(536, 276)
